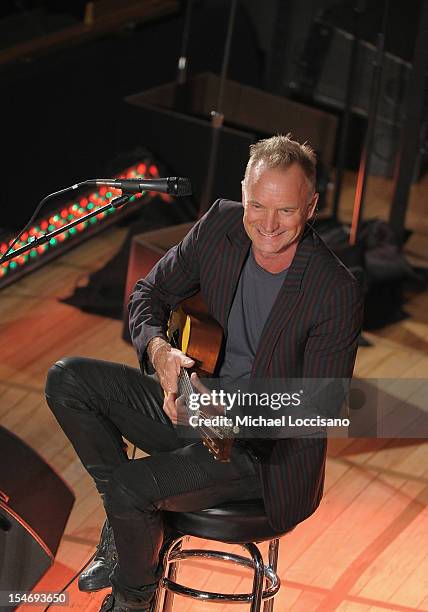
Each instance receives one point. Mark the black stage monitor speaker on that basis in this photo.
(35, 504)
(183, 143)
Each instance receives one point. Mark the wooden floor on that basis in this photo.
(365, 549)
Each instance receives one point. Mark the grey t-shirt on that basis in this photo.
(255, 295)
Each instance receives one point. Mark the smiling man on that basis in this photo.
(278, 201)
(279, 198)
(289, 309)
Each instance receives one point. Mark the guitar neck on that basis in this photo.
(191, 330)
(185, 389)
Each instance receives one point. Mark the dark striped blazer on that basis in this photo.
(312, 331)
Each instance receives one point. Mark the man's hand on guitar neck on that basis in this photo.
(167, 362)
(210, 410)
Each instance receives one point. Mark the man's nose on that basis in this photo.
(271, 222)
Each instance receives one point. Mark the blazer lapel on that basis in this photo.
(284, 305)
(231, 263)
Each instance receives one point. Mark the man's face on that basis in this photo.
(277, 203)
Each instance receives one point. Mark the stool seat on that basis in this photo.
(236, 522)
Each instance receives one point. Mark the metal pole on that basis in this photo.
(412, 128)
(368, 141)
(350, 89)
(182, 60)
(217, 116)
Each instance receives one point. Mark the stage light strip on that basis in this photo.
(71, 211)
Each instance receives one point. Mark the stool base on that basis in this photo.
(174, 555)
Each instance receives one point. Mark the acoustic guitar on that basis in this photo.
(192, 330)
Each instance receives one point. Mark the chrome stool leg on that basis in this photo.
(273, 564)
(259, 575)
(170, 570)
(172, 575)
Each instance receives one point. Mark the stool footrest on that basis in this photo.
(181, 555)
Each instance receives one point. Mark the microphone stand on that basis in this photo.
(40, 240)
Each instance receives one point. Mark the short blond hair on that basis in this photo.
(281, 152)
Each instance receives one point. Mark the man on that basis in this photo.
(289, 308)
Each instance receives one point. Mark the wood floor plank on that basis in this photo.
(305, 545)
(10, 398)
(390, 577)
(413, 589)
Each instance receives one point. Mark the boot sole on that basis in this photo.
(90, 586)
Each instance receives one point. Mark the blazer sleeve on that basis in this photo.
(331, 350)
(173, 279)
(332, 344)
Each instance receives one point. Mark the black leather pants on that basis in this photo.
(98, 402)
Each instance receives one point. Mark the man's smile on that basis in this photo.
(267, 235)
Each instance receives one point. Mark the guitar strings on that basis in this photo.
(186, 389)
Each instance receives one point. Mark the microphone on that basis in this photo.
(173, 185)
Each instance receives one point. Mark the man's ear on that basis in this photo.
(243, 192)
(313, 205)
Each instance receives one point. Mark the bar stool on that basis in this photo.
(242, 523)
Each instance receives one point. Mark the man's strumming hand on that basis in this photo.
(167, 362)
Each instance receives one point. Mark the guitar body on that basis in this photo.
(192, 330)
(199, 335)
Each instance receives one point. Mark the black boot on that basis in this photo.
(97, 574)
(117, 602)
